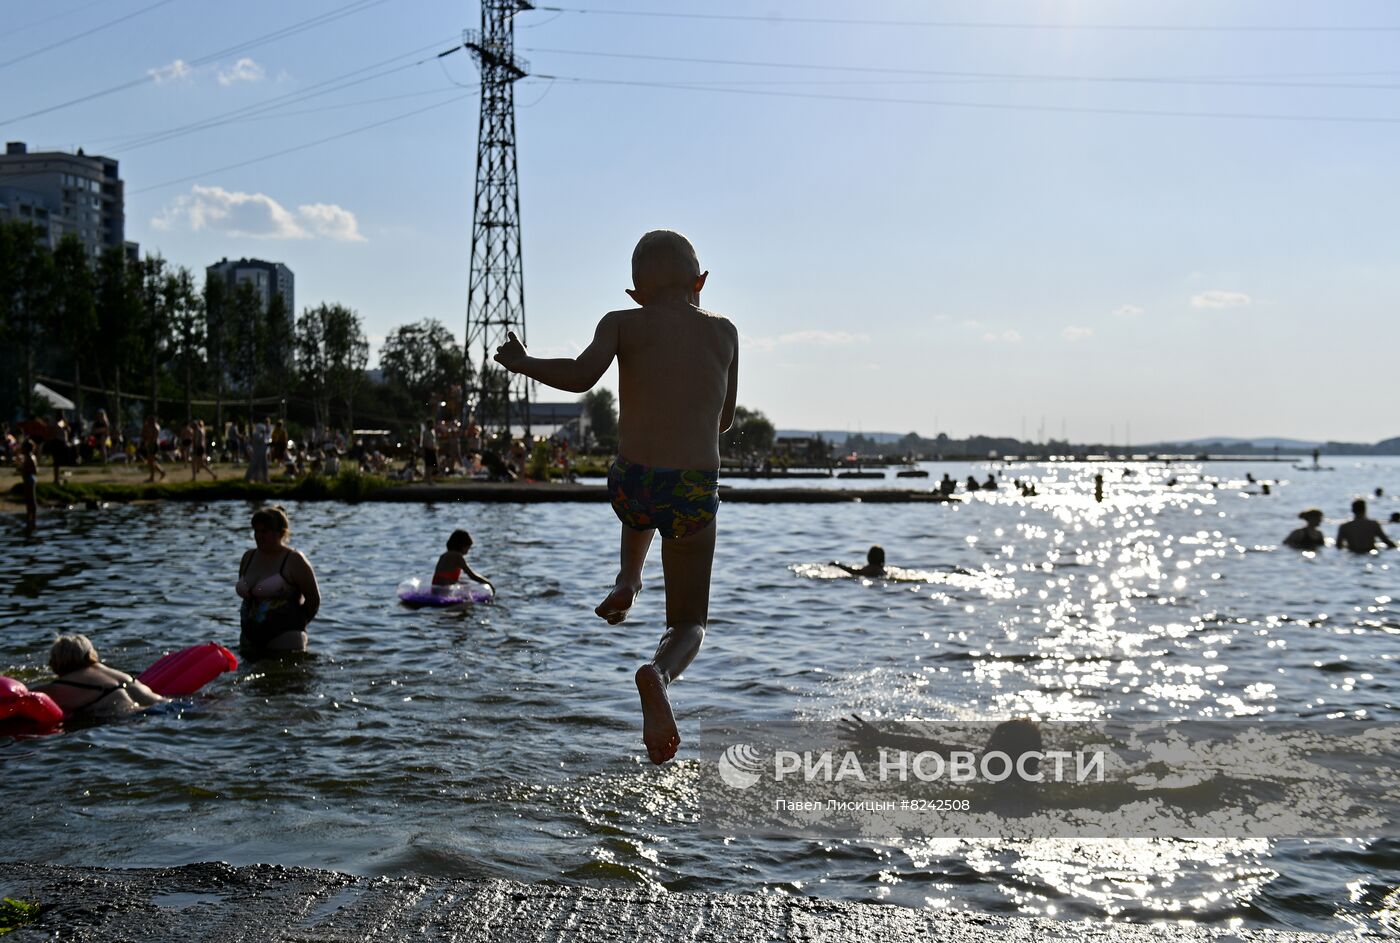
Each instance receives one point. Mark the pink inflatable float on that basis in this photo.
(416, 593)
(21, 708)
(185, 672)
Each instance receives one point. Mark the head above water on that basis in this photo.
(272, 520)
(1358, 507)
(876, 556)
(1312, 515)
(71, 653)
(1016, 738)
(459, 542)
(665, 267)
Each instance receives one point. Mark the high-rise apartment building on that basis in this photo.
(65, 194)
(268, 279)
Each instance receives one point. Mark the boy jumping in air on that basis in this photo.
(678, 369)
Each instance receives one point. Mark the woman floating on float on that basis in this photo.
(87, 688)
(448, 588)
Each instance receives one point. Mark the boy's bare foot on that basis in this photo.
(614, 608)
(658, 723)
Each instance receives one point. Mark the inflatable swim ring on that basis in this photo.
(185, 672)
(417, 593)
(22, 709)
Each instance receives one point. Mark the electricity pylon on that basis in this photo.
(496, 285)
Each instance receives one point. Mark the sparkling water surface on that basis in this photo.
(504, 741)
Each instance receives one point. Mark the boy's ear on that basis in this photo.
(637, 296)
(700, 282)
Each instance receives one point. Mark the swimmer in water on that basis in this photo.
(678, 374)
(452, 564)
(1359, 535)
(1309, 536)
(874, 564)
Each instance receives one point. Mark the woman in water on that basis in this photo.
(86, 686)
(1309, 536)
(278, 588)
(29, 482)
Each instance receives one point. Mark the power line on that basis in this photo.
(778, 20)
(12, 30)
(289, 98)
(986, 106)
(998, 76)
(310, 23)
(300, 147)
(87, 32)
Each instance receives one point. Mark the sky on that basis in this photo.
(1121, 222)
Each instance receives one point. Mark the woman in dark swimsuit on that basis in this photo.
(86, 686)
(278, 588)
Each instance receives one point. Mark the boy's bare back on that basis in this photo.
(677, 366)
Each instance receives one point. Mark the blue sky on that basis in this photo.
(980, 257)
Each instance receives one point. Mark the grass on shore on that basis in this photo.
(349, 485)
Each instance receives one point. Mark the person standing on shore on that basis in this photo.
(257, 453)
(1359, 535)
(679, 370)
(199, 451)
(429, 444)
(150, 447)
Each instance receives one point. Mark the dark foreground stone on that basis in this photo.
(220, 904)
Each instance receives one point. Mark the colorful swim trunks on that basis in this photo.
(676, 501)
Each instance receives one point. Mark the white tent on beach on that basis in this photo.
(57, 401)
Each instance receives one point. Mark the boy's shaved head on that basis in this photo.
(664, 260)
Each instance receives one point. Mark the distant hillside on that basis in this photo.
(839, 435)
(874, 442)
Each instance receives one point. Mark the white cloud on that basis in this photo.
(331, 221)
(177, 70)
(244, 70)
(1073, 333)
(1129, 311)
(813, 338)
(1216, 298)
(1002, 337)
(256, 216)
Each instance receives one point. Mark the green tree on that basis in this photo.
(347, 355)
(312, 366)
(422, 358)
(751, 434)
(185, 309)
(601, 409)
(280, 346)
(216, 339)
(155, 322)
(26, 282)
(74, 308)
(118, 318)
(247, 334)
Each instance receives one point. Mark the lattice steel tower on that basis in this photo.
(496, 285)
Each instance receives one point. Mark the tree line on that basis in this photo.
(142, 335)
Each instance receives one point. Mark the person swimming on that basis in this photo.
(874, 564)
(1309, 536)
(452, 564)
(86, 686)
(1359, 535)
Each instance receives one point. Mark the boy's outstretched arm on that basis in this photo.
(575, 375)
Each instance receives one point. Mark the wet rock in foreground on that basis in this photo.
(220, 904)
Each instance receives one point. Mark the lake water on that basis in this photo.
(504, 741)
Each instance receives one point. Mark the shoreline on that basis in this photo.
(222, 903)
